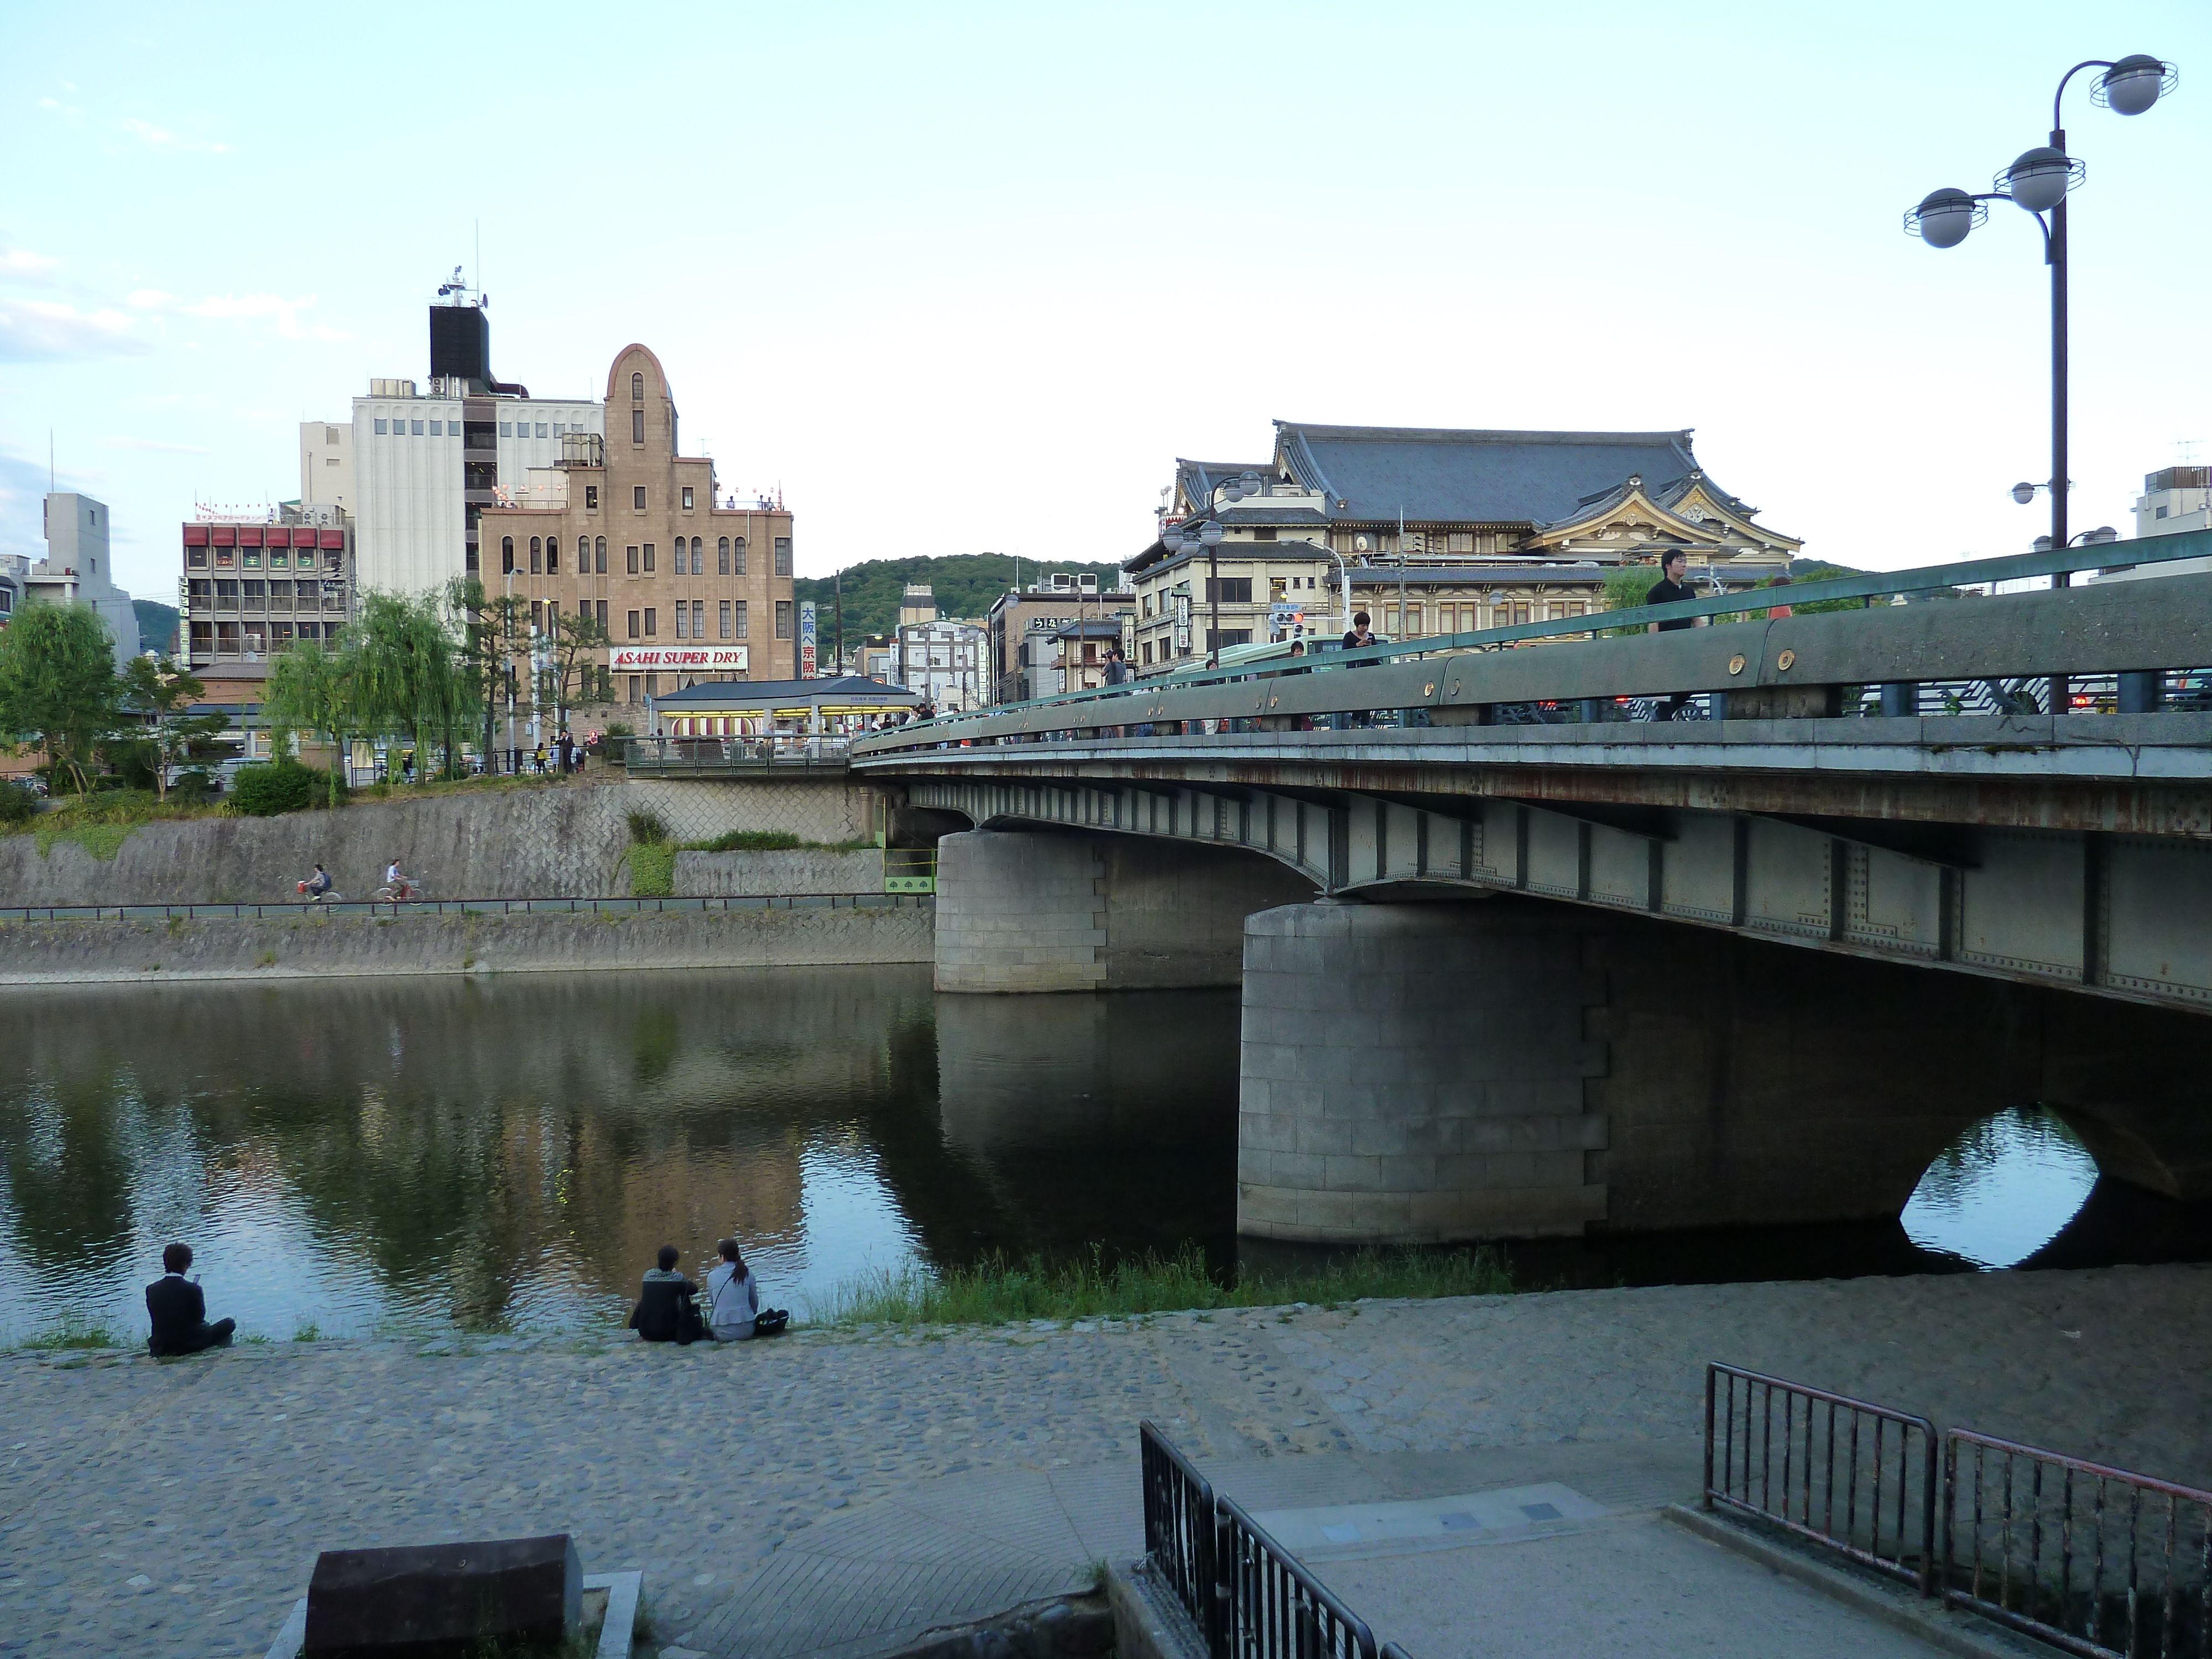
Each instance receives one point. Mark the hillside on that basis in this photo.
(965, 585)
(157, 624)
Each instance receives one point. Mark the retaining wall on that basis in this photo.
(800, 870)
(334, 946)
(564, 839)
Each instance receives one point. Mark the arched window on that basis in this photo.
(537, 557)
(637, 388)
(599, 554)
(721, 556)
(698, 565)
(506, 556)
(738, 553)
(552, 555)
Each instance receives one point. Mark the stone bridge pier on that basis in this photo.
(1430, 1071)
(1056, 910)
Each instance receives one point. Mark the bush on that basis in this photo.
(652, 870)
(17, 804)
(192, 787)
(263, 791)
(647, 831)
(747, 840)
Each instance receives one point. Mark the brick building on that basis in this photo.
(690, 587)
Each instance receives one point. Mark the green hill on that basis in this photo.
(965, 585)
(157, 624)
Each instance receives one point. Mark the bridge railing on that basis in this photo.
(889, 899)
(2120, 648)
(727, 757)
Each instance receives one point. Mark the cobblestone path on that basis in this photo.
(861, 1484)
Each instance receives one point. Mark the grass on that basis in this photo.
(771, 841)
(73, 1332)
(652, 870)
(995, 1291)
(309, 1331)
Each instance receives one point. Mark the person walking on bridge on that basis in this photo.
(1671, 588)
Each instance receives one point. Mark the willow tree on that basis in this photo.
(406, 670)
(57, 684)
(312, 689)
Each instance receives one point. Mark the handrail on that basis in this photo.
(1812, 1487)
(1181, 1532)
(294, 910)
(2149, 551)
(2098, 1561)
(1277, 1609)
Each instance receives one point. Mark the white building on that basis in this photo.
(327, 464)
(2174, 499)
(77, 568)
(942, 661)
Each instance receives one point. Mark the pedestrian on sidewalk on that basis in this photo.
(178, 1311)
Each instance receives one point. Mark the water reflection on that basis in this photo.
(510, 1152)
(2002, 1190)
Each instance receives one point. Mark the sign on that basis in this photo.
(687, 658)
(807, 639)
(1182, 622)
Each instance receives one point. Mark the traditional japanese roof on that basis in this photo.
(742, 694)
(1196, 481)
(1157, 556)
(1419, 576)
(1436, 474)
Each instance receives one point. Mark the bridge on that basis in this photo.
(1902, 863)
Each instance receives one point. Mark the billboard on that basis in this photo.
(685, 659)
(806, 639)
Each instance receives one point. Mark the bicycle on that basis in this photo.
(403, 891)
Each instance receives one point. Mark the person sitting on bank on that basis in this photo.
(733, 1311)
(179, 1311)
(666, 1311)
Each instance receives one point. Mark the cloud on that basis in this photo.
(242, 307)
(162, 138)
(20, 264)
(40, 330)
(154, 447)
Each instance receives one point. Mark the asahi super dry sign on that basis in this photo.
(683, 658)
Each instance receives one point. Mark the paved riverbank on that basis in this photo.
(827, 1492)
(810, 931)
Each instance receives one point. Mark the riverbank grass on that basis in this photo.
(995, 1291)
(72, 1331)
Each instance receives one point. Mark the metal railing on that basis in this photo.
(1277, 1609)
(293, 911)
(1858, 1477)
(909, 869)
(727, 757)
(2096, 1560)
(1181, 1532)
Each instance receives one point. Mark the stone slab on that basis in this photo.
(443, 1600)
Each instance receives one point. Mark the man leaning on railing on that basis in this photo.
(1671, 588)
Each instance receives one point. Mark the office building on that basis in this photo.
(256, 583)
(943, 660)
(1018, 646)
(689, 586)
(327, 464)
(77, 569)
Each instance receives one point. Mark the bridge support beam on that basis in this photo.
(1023, 911)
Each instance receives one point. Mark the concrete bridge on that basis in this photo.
(1919, 862)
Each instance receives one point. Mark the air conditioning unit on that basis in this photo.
(1086, 583)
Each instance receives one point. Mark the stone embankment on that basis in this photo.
(567, 839)
(325, 945)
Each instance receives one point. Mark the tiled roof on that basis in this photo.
(1435, 474)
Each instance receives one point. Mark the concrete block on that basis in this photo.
(1345, 1172)
(435, 1601)
(1322, 1135)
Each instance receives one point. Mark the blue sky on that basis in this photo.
(962, 278)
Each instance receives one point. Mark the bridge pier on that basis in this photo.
(1053, 910)
(1424, 1072)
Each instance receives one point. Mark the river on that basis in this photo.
(363, 1155)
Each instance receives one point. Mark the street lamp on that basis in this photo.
(2103, 536)
(1208, 536)
(2037, 181)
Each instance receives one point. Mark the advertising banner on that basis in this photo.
(687, 658)
(806, 639)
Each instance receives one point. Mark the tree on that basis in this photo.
(154, 688)
(57, 684)
(312, 689)
(493, 632)
(407, 673)
(578, 640)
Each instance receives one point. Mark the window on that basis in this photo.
(196, 557)
(506, 556)
(637, 388)
(256, 596)
(698, 557)
(331, 436)
(603, 613)
(651, 621)
(652, 685)
(1265, 533)
(437, 428)
(687, 498)
(1233, 590)
(633, 624)
(721, 563)
(599, 552)
(632, 562)
(1459, 541)
(541, 428)
(537, 557)
(1218, 638)
(537, 615)
(380, 428)
(2159, 513)
(632, 687)
(783, 619)
(591, 498)
(698, 619)
(741, 619)
(637, 497)
(737, 557)
(648, 558)
(637, 425)
(783, 556)
(202, 593)
(506, 429)
(725, 619)
(552, 555)
(226, 594)
(682, 631)
(276, 561)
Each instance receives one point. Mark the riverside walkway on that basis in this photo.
(831, 1492)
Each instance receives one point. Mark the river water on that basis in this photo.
(368, 1154)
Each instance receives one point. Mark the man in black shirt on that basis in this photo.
(1669, 590)
(179, 1311)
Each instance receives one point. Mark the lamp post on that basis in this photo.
(2037, 181)
(1208, 535)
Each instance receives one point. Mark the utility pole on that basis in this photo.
(839, 624)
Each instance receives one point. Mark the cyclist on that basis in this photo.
(317, 885)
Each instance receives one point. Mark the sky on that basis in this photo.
(957, 278)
